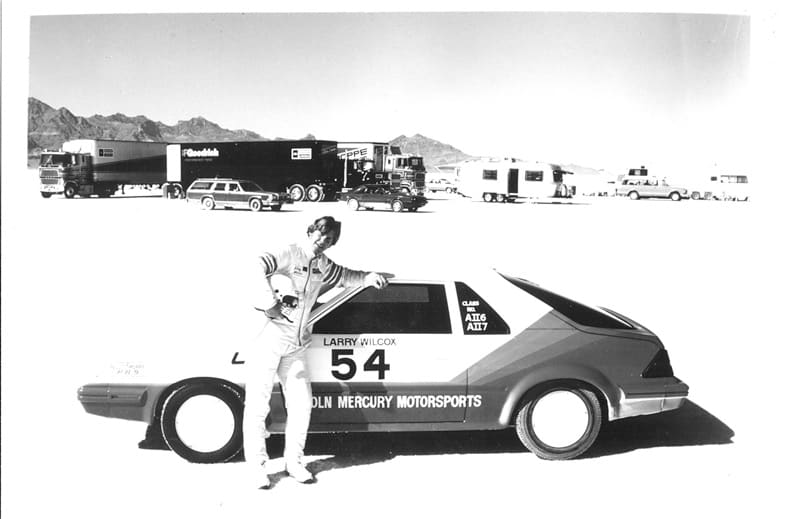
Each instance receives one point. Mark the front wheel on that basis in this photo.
(397, 206)
(202, 422)
(208, 203)
(633, 195)
(46, 195)
(255, 205)
(560, 422)
(70, 191)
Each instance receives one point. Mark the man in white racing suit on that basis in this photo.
(280, 347)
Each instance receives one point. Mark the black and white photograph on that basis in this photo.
(438, 259)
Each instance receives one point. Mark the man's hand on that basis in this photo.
(274, 312)
(378, 280)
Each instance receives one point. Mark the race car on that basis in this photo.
(481, 351)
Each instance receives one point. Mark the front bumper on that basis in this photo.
(126, 401)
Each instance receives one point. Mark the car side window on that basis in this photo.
(477, 317)
(399, 308)
(220, 186)
(234, 187)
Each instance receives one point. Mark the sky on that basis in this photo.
(599, 89)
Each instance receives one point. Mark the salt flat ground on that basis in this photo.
(90, 281)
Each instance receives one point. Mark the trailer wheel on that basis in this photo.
(501, 198)
(488, 197)
(255, 205)
(297, 192)
(353, 204)
(70, 191)
(208, 203)
(314, 193)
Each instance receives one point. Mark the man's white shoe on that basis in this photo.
(260, 474)
(299, 472)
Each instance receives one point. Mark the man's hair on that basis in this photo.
(325, 225)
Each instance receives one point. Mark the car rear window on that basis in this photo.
(577, 312)
(201, 185)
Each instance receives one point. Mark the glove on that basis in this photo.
(275, 311)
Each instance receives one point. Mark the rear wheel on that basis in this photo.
(255, 204)
(208, 203)
(202, 422)
(297, 192)
(675, 196)
(314, 193)
(633, 195)
(353, 204)
(397, 206)
(560, 422)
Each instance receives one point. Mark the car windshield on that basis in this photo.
(250, 186)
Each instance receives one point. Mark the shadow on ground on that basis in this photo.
(691, 425)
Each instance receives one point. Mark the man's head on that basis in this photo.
(323, 234)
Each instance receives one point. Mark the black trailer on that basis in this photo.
(307, 170)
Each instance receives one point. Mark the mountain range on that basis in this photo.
(48, 128)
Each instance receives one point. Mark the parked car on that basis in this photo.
(649, 187)
(371, 196)
(440, 184)
(237, 194)
(474, 352)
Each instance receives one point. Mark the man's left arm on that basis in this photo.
(349, 278)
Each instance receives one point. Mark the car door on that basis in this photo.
(237, 197)
(221, 193)
(387, 356)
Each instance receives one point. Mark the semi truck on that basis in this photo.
(86, 167)
(510, 179)
(306, 169)
(378, 162)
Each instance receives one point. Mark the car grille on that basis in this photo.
(48, 173)
(46, 180)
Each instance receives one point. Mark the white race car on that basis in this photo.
(486, 351)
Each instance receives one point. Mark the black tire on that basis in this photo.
(633, 195)
(488, 197)
(207, 203)
(255, 205)
(397, 206)
(314, 193)
(46, 195)
(695, 195)
(297, 192)
(527, 430)
(353, 204)
(675, 196)
(226, 450)
(70, 190)
(501, 198)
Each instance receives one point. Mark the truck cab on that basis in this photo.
(63, 172)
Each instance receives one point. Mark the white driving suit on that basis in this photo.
(280, 347)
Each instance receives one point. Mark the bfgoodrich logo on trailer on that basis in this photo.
(301, 153)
